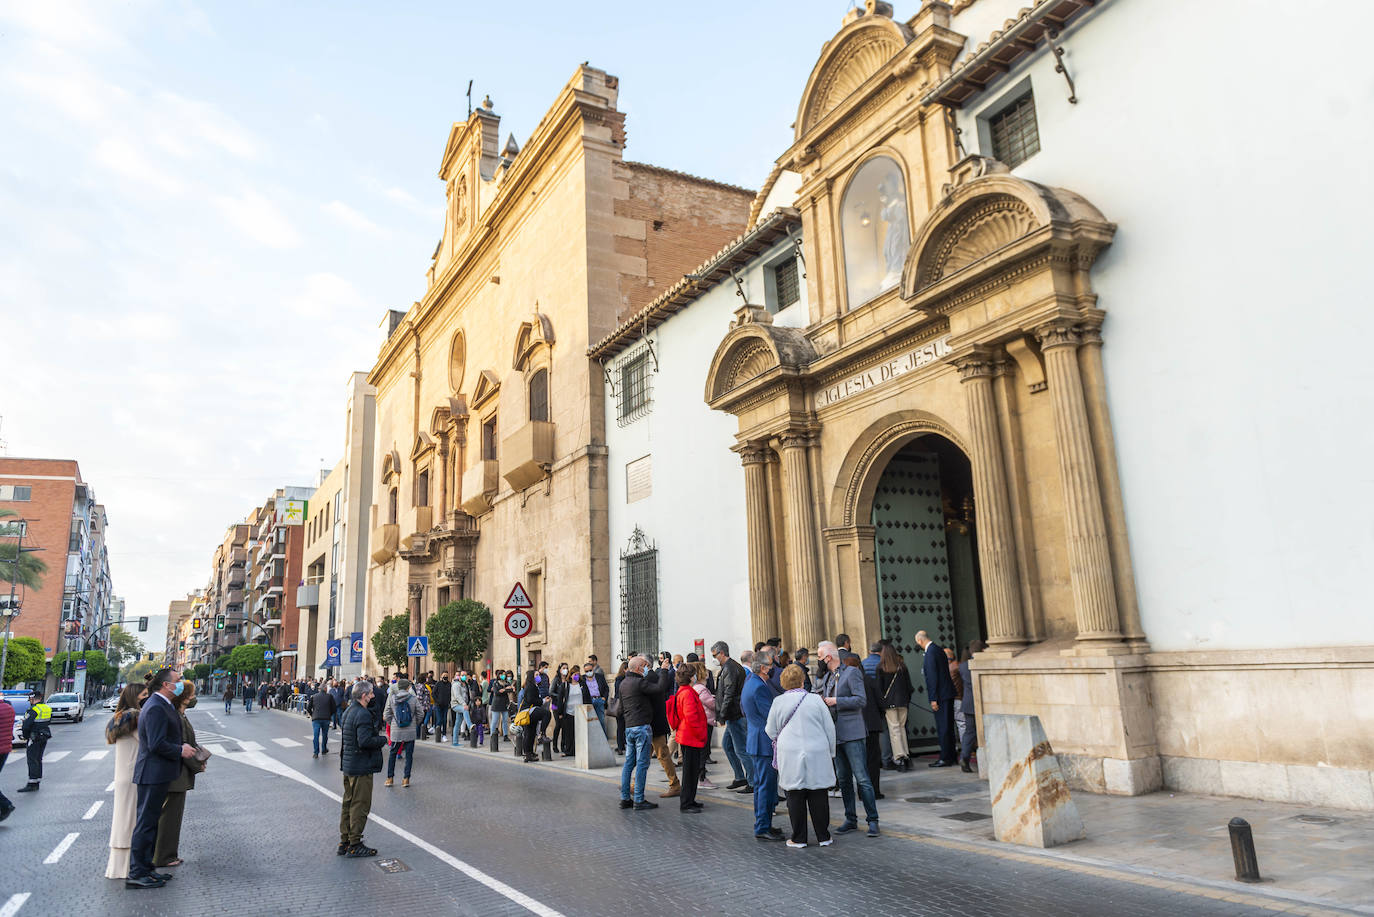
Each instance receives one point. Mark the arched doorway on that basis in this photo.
(926, 560)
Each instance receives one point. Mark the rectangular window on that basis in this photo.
(786, 281)
(634, 395)
(422, 488)
(1015, 134)
(15, 493)
(74, 541)
(489, 439)
(639, 601)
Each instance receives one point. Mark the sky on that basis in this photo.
(205, 211)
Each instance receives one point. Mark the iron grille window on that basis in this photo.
(639, 597)
(788, 287)
(1015, 135)
(635, 394)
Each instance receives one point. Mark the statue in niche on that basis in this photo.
(898, 238)
(460, 202)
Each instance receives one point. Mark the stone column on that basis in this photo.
(1090, 561)
(443, 478)
(995, 537)
(763, 606)
(1104, 445)
(802, 570)
(415, 595)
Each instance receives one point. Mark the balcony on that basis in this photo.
(233, 597)
(238, 556)
(480, 483)
(386, 539)
(528, 454)
(236, 576)
(308, 595)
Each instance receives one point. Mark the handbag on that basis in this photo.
(522, 717)
(613, 708)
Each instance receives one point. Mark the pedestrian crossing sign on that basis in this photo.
(417, 646)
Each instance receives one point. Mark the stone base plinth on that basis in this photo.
(592, 747)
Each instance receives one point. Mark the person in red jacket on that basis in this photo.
(7, 746)
(687, 716)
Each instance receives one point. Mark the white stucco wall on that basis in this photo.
(1238, 308)
(695, 514)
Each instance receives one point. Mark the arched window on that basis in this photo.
(877, 234)
(422, 488)
(539, 395)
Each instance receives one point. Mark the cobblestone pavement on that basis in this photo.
(480, 833)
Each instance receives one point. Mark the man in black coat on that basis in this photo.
(729, 713)
(321, 708)
(667, 684)
(442, 692)
(359, 758)
(160, 751)
(940, 690)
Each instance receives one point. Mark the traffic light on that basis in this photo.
(181, 646)
(219, 622)
(195, 623)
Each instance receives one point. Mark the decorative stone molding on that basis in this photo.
(1058, 333)
(865, 44)
(863, 466)
(990, 226)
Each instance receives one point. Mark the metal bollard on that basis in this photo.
(472, 737)
(545, 750)
(1243, 851)
(495, 741)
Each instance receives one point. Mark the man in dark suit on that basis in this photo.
(160, 751)
(940, 690)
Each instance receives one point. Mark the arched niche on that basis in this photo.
(875, 228)
(857, 52)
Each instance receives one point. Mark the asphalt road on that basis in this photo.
(479, 834)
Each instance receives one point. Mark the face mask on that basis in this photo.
(192, 702)
(178, 688)
(463, 678)
(563, 671)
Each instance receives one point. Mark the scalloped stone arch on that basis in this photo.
(867, 458)
(860, 50)
(743, 355)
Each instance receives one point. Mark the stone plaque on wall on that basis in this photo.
(639, 480)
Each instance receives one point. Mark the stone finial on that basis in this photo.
(749, 314)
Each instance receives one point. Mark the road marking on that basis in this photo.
(286, 743)
(95, 755)
(55, 756)
(215, 749)
(66, 843)
(12, 906)
(272, 765)
(95, 807)
(110, 788)
(250, 746)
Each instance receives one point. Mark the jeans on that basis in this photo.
(320, 735)
(638, 740)
(851, 765)
(500, 721)
(599, 705)
(736, 733)
(227, 705)
(397, 748)
(248, 704)
(765, 792)
(460, 713)
(337, 719)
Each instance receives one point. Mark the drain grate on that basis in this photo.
(928, 799)
(966, 816)
(1316, 819)
(392, 865)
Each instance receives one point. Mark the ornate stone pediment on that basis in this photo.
(754, 349)
(487, 385)
(868, 41)
(985, 228)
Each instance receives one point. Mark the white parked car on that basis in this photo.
(111, 702)
(67, 707)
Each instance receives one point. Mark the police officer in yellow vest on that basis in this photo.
(37, 729)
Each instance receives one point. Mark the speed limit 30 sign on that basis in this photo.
(518, 623)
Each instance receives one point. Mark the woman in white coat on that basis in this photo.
(803, 735)
(122, 733)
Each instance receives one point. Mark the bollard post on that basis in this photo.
(494, 741)
(472, 737)
(1243, 851)
(545, 750)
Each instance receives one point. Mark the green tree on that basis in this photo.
(125, 648)
(458, 632)
(21, 567)
(98, 669)
(247, 658)
(25, 662)
(389, 642)
(141, 669)
(201, 670)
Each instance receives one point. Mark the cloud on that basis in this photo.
(124, 158)
(205, 121)
(324, 294)
(259, 219)
(352, 218)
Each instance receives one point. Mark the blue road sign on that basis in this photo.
(417, 646)
(267, 655)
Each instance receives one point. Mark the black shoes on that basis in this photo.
(646, 804)
(342, 848)
(5, 812)
(144, 882)
(745, 790)
(847, 827)
(627, 804)
(361, 850)
(161, 876)
(938, 764)
(964, 766)
(692, 808)
(315, 755)
(736, 784)
(768, 837)
(28, 788)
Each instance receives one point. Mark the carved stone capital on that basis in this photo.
(795, 439)
(1061, 332)
(1091, 326)
(753, 453)
(981, 364)
(415, 590)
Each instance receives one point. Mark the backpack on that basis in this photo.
(403, 715)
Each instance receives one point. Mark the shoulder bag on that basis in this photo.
(793, 712)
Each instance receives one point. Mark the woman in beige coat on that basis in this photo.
(169, 825)
(122, 733)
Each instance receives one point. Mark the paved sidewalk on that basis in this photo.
(1313, 860)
